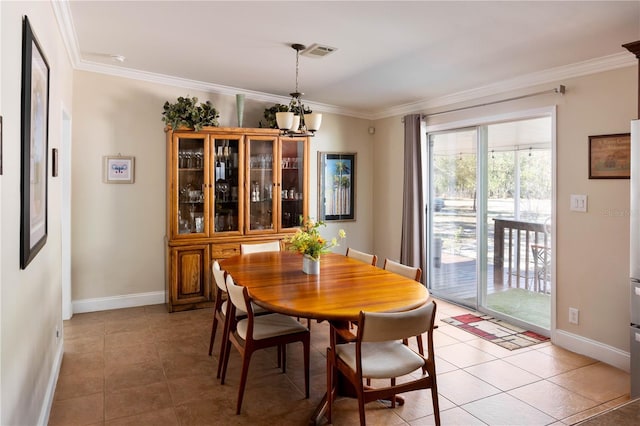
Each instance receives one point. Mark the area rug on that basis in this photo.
(496, 331)
(528, 306)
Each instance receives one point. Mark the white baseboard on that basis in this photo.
(51, 387)
(118, 302)
(591, 348)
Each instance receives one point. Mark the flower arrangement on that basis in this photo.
(308, 241)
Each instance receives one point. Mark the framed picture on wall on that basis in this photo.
(118, 169)
(34, 144)
(337, 186)
(610, 156)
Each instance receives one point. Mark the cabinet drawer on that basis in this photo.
(224, 250)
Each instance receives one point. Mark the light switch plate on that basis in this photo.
(578, 203)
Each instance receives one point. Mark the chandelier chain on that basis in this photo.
(297, 67)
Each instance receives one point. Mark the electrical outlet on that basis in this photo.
(573, 315)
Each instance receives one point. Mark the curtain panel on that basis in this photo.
(412, 246)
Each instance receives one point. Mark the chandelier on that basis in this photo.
(298, 121)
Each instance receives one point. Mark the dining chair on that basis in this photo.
(220, 311)
(371, 259)
(264, 247)
(259, 247)
(411, 272)
(258, 332)
(415, 273)
(378, 353)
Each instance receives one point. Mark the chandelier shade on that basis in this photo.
(284, 120)
(299, 120)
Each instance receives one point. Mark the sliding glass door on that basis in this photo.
(489, 210)
(519, 172)
(453, 216)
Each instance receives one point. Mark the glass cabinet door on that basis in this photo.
(192, 179)
(261, 184)
(292, 182)
(225, 181)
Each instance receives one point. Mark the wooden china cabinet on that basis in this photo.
(227, 186)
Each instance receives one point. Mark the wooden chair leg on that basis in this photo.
(436, 408)
(360, 392)
(393, 397)
(214, 326)
(306, 347)
(223, 345)
(329, 386)
(246, 359)
(284, 358)
(421, 351)
(225, 360)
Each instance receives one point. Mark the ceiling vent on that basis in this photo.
(318, 51)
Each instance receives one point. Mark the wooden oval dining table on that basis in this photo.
(343, 288)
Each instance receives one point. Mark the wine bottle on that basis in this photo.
(219, 170)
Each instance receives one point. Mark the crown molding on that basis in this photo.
(185, 83)
(553, 75)
(62, 12)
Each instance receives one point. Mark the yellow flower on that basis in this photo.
(308, 241)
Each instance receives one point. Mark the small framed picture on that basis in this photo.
(610, 156)
(118, 169)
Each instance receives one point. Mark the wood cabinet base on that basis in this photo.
(189, 280)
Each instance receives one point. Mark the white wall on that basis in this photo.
(592, 251)
(118, 230)
(388, 160)
(30, 298)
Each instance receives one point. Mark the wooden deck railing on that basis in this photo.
(512, 250)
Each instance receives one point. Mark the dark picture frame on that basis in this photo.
(610, 156)
(35, 145)
(337, 186)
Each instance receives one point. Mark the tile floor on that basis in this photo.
(143, 366)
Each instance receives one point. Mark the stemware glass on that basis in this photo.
(223, 187)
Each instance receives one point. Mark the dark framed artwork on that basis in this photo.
(337, 181)
(34, 142)
(610, 156)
